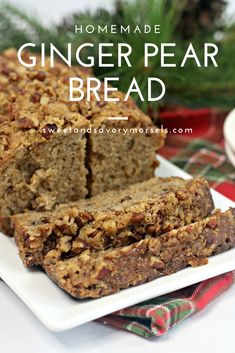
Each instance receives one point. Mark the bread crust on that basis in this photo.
(96, 274)
(112, 219)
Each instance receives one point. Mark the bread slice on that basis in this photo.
(94, 274)
(125, 152)
(112, 219)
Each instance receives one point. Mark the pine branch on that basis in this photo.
(191, 86)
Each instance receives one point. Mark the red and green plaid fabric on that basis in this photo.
(156, 316)
(209, 161)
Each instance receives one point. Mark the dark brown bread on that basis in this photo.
(96, 274)
(112, 219)
(47, 155)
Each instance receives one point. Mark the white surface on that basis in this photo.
(210, 331)
(60, 312)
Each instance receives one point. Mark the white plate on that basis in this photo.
(59, 312)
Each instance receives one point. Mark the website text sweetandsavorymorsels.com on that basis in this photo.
(114, 130)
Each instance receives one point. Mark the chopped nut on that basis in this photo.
(48, 130)
(150, 229)
(181, 195)
(25, 123)
(44, 100)
(5, 141)
(137, 218)
(188, 219)
(189, 229)
(12, 99)
(65, 243)
(41, 75)
(35, 97)
(73, 107)
(34, 244)
(77, 246)
(5, 71)
(65, 79)
(13, 76)
(85, 255)
(156, 262)
(3, 81)
(87, 216)
(51, 257)
(212, 223)
(73, 229)
(110, 226)
(103, 273)
(124, 234)
(91, 232)
(154, 246)
(195, 262)
(211, 240)
(166, 255)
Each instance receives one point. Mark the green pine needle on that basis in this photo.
(190, 86)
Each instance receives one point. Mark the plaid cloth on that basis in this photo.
(156, 316)
(209, 161)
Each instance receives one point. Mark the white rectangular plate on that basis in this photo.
(59, 312)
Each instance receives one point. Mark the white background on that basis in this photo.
(209, 331)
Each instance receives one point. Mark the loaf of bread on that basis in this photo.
(95, 274)
(111, 219)
(77, 187)
(53, 150)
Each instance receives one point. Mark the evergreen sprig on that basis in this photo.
(191, 86)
